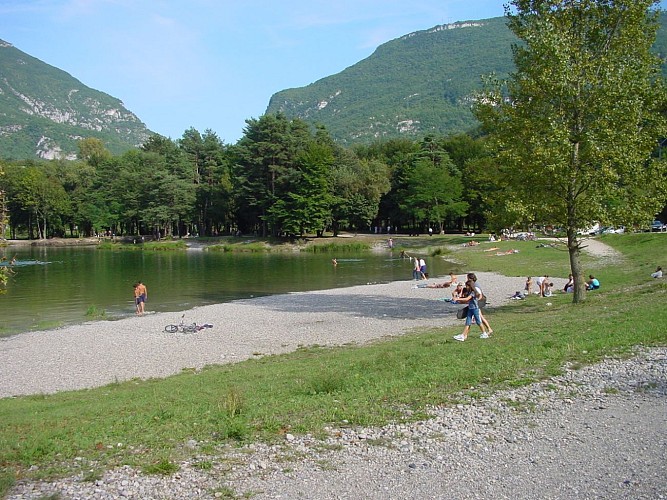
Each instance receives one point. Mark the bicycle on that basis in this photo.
(181, 327)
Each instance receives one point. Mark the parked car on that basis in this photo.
(658, 226)
(613, 230)
(594, 230)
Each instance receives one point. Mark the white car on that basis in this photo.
(594, 230)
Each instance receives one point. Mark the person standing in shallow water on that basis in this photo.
(140, 297)
(137, 298)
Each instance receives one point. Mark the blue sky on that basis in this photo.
(212, 64)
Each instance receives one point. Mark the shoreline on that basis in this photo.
(98, 353)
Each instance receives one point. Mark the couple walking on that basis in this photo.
(472, 294)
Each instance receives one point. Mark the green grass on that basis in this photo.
(314, 245)
(151, 246)
(533, 258)
(148, 424)
(94, 312)
(242, 247)
(335, 247)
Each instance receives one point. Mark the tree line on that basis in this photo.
(282, 178)
(571, 137)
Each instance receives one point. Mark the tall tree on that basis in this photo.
(305, 202)
(213, 188)
(265, 160)
(4, 214)
(575, 126)
(433, 194)
(41, 197)
(397, 154)
(92, 151)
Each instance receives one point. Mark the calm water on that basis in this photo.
(56, 286)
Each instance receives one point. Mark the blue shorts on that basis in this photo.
(473, 313)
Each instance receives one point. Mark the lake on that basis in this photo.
(56, 286)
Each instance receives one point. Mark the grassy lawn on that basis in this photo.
(148, 423)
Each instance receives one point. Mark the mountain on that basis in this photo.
(414, 85)
(44, 111)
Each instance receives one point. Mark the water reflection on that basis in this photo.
(54, 286)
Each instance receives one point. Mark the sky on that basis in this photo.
(213, 64)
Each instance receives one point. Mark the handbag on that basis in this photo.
(462, 313)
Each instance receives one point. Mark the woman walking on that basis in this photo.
(472, 296)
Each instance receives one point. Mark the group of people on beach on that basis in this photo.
(544, 285)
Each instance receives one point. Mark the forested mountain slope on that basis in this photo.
(44, 111)
(417, 84)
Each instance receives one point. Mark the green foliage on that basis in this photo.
(305, 206)
(335, 247)
(357, 186)
(265, 168)
(574, 129)
(94, 312)
(162, 467)
(434, 189)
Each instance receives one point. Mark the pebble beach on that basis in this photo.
(102, 352)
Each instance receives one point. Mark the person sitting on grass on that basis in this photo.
(657, 273)
(592, 283)
(529, 285)
(569, 286)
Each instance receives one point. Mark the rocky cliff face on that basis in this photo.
(44, 111)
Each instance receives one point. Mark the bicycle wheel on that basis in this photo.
(171, 328)
(190, 328)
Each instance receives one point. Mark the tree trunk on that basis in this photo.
(574, 251)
